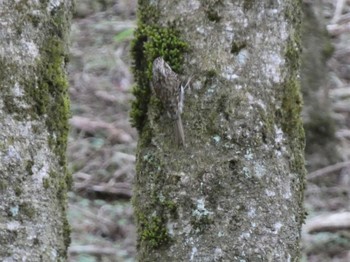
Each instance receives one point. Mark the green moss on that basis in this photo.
(49, 98)
(211, 73)
(153, 231)
(3, 185)
(66, 234)
(171, 207)
(292, 102)
(201, 223)
(152, 217)
(29, 166)
(147, 13)
(35, 20)
(213, 15)
(248, 4)
(27, 209)
(46, 183)
(18, 191)
(236, 47)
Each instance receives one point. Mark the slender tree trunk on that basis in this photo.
(34, 110)
(234, 192)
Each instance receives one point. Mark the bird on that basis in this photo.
(170, 90)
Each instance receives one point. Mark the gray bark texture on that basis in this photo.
(34, 111)
(234, 192)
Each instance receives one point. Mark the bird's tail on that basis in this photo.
(179, 131)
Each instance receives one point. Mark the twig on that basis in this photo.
(328, 223)
(338, 10)
(327, 170)
(92, 250)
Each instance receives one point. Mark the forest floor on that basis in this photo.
(102, 144)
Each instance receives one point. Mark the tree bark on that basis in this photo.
(234, 192)
(34, 111)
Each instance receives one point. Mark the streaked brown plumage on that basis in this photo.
(168, 88)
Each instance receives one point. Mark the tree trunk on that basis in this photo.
(234, 192)
(34, 123)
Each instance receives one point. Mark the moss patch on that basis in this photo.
(213, 15)
(27, 209)
(236, 47)
(292, 102)
(154, 231)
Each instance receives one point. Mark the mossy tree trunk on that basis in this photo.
(234, 192)
(34, 123)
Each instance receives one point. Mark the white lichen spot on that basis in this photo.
(250, 98)
(279, 138)
(243, 57)
(54, 253)
(278, 135)
(170, 228)
(245, 235)
(287, 194)
(261, 104)
(273, 63)
(13, 225)
(161, 197)
(272, 11)
(251, 212)
(270, 193)
(201, 209)
(229, 73)
(210, 91)
(197, 85)
(193, 253)
(16, 90)
(14, 210)
(277, 226)
(30, 48)
(229, 76)
(187, 229)
(217, 139)
(12, 155)
(249, 156)
(218, 253)
(229, 32)
(41, 167)
(184, 179)
(259, 170)
(194, 5)
(54, 4)
(201, 30)
(245, 171)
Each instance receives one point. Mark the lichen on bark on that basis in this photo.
(35, 110)
(241, 173)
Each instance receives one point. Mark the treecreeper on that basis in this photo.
(170, 90)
